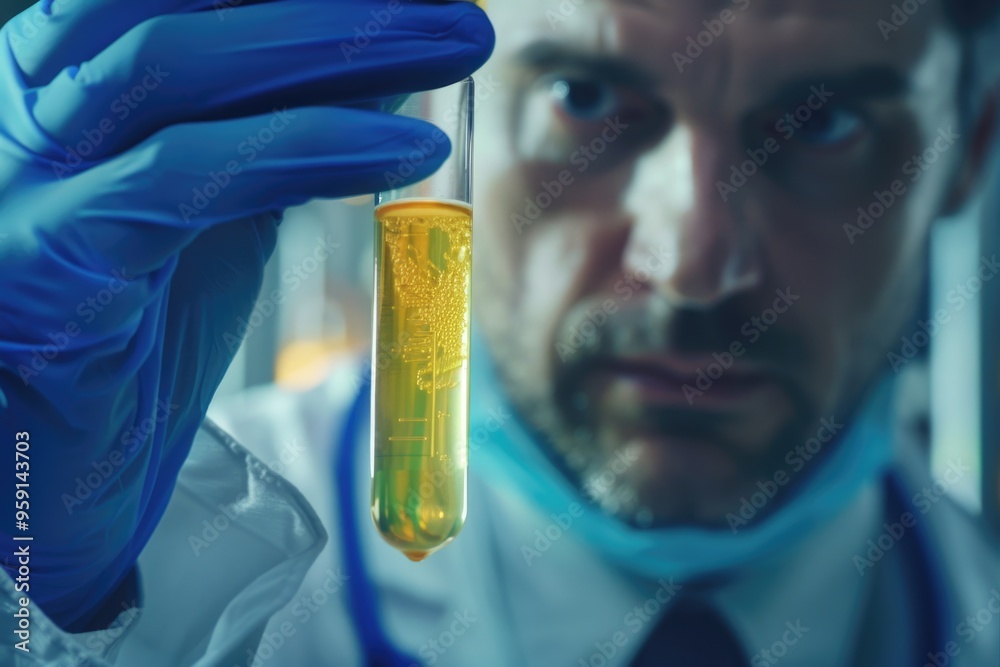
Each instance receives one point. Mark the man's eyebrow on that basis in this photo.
(548, 55)
(872, 81)
(867, 81)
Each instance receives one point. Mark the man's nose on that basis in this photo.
(679, 213)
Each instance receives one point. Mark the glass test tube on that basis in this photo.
(420, 363)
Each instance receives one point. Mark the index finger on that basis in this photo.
(53, 34)
(271, 55)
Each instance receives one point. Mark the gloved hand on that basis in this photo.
(147, 149)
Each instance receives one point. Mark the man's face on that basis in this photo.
(672, 270)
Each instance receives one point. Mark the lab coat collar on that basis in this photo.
(805, 607)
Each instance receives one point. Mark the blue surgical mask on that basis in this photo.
(514, 458)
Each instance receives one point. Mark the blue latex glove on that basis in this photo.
(127, 258)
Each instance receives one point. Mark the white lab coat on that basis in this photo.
(207, 592)
(479, 601)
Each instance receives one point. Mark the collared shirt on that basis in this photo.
(804, 607)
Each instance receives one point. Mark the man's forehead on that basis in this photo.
(727, 48)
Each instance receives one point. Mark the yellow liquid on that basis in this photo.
(420, 373)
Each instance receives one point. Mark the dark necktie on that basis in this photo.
(692, 634)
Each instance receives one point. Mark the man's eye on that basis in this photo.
(831, 127)
(584, 99)
(560, 112)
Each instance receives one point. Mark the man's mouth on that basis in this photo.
(716, 383)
